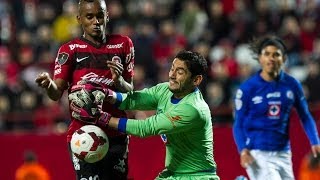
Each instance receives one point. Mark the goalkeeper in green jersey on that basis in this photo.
(183, 118)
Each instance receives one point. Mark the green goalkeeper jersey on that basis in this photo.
(184, 125)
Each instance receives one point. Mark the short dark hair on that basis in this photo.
(88, 1)
(80, 1)
(258, 44)
(195, 62)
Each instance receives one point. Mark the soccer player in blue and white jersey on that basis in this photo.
(262, 109)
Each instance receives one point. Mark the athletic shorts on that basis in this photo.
(169, 175)
(275, 165)
(113, 166)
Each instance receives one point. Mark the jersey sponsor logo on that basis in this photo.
(73, 46)
(257, 99)
(62, 58)
(274, 95)
(130, 55)
(75, 161)
(130, 67)
(92, 77)
(95, 177)
(57, 71)
(81, 59)
(116, 59)
(115, 46)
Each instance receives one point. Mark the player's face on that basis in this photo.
(93, 19)
(271, 59)
(180, 81)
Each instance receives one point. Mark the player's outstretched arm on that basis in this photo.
(54, 88)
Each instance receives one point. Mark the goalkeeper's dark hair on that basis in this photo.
(258, 44)
(195, 62)
(80, 1)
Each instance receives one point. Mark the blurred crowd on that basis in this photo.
(31, 32)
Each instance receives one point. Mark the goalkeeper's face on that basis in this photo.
(180, 81)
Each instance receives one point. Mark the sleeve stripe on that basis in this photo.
(118, 99)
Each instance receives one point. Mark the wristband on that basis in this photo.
(122, 125)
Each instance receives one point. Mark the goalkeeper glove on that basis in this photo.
(99, 118)
(82, 94)
(104, 119)
(85, 114)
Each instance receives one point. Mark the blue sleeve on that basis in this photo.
(241, 111)
(305, 116)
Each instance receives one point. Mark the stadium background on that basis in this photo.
(32, 30)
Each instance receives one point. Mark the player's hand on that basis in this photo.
(315, 150)
(44, 80)
(245, 158)
(116, 70)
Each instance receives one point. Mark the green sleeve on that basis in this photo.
(182, 118)
(146, 99)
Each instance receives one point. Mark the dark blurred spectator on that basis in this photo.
(225, 60)
(218, 101)
(241, 19)
(143, 40)
(46, 13)
(6, 23)
(312, 82)
(45, 48)
(308, 34)
(290, 32)
(264, 18)
(167, 43)
(117, 14)
(218, 25)
(192, 21)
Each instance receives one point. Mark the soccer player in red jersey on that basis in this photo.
(97, 57)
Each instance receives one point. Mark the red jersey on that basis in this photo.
(80, 59)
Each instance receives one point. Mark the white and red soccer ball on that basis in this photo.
(89, 143)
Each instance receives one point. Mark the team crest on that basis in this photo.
(116, 59)
(274, 110)
(62, 58)
(164, 138)
(290, 94)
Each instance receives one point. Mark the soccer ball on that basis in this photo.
(89, 143)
